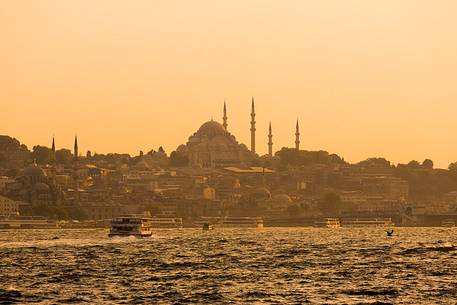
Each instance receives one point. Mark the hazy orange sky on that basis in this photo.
(365, 78)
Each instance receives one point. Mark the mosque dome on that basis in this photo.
(211, 129)
(41, 187)
(34, 171)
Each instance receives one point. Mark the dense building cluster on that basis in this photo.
(214, 175)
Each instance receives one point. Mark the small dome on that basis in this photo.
(41, 187)
(261, 193)
(211, 129)
(34, 171)
(142, 166)
(283, 198)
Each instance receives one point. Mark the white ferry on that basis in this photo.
(241, 222)
(327, 223)
(130, 225)
(448, 223)
(367, 222)
(166, 222)
(26, 222)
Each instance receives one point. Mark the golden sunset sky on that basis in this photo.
(365, 78)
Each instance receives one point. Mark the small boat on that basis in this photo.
(130, 225)
(241, 222)
(327, 223)
(166, 222)
(367, 222)
(207, 227)
(448, 223)
(27, 222)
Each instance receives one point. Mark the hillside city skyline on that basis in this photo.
(262, 141)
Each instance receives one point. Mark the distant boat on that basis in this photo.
(241, 222)
(130, 225)
(366, 222)
(448, 223)
(327, 223)
(26, 222)
(207, 227)
(166, 222)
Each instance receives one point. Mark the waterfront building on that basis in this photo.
(8, 207)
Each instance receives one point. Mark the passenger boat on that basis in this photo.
(327, 223)
(26, 222)
(448, 223)
(367, 222)
(241, 222)
(130, 225)
(166, 222)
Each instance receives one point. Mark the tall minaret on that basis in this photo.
(252, 126)
(53, 149)
(53, 161)
(270, 142)
(75, 171)
(76, 148)
(297, 137)
(224, 118)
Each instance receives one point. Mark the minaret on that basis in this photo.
(53, 149)
(76, 148)
(252, 126)
(53, 161)
(270, 142)
(75, 171)
(224, 118)
(297, 137)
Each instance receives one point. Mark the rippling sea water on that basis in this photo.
(238, 266)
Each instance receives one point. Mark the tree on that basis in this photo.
(178, 159)
(375, 162)
(453, 167)
(330, 204)
(161, 150)
(427, 163)
(294, 157)
(64, 156)
(89, 154)
(413, 164)
(41, 154)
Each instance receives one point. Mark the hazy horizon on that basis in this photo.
(364, 79)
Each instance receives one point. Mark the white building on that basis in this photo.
(8, 207)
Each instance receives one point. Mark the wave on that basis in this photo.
(442, 247)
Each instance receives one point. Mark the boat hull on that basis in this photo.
(142, 235)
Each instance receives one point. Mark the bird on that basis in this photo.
(390, 233)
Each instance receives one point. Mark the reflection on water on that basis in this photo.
(271, 265)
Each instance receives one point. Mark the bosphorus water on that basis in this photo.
(237, 266)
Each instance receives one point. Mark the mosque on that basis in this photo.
(214, 146)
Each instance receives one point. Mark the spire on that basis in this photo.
(270, 141)
(76, 148)
(252, 126)
(53, 149)
(297, 136)
(75, 171)
(224, 118)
